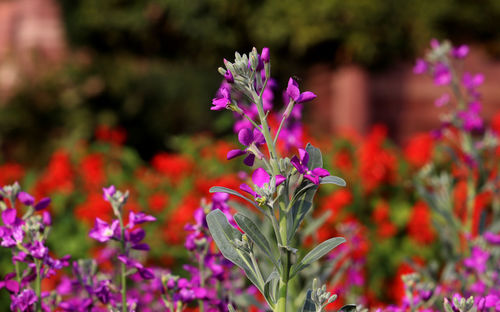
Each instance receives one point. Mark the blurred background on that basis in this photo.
(95, 92)
(149, 67)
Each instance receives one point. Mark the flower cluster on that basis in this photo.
(26, 238)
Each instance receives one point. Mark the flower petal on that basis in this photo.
(293, 89)
(260, 177)
(304, 156)
(235, 153)
(244, 187)
(306, 97)
(320, 172)
(245, 136)
(249, 160)
(280, 179)
(314, 179)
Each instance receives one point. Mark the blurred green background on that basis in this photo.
(150, 66)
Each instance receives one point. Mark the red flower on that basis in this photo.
(94, 207)
(158, 201)
(58, 177)
(418, 151)
(173, 231)
(336, 202)
(420, 227)
(92, 171)
(377, 165)
(115, 136)
(175, 167)
(10, 173)
(397, 286)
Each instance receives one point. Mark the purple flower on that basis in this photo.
(38, 250)
(108, 192)
(460, 52)
(442, 100)
(492, 238)
(470, 117)
(24, 301)
(102, 231)
(139, 218)
(442, 74)
(102, 291)
(264, 56)
(301, 165)
(145, 273)
(223, 99)
(42, 204)
(229, 76)
(261, 178)
(26, 198)
(294, 93)
(9, 217)
(477, 260)
(251, 139)
(420, 66)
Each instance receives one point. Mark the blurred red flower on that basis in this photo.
(158, 201)
(94, 207)
(377, 165)
(92, 171)
(173, 166)
(419, 149)
(420, 227)
(10, 173)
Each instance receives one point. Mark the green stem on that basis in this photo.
(123, 272)
(201, 270)
(283, 287)
(38, 285)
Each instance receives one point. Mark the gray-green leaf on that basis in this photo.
(348, 308)
(256, 236)
(221, 189)
(315, 158)
(333, 180)
(309, 305)
(318, 252)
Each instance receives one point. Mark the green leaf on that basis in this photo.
(318, 252)
(221, 189)
(225, 235)
(247, 225)
(333, 180)
(348, 308)
(309, 305)
(271, 288)
(299, 210)
(315, 158)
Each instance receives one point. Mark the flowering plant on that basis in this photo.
(283, 189)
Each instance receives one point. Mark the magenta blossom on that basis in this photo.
(301, 165)
(294, 93)
(251, 139)
(261, 178)
(420, 66)
(103, 232)
(223, 99)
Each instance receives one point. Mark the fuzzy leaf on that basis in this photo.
(318, 252)
(315, 158)
(256, 236)
(221, 189)
(225, 235)
(309, 305)
(333, 180)
(348, 308)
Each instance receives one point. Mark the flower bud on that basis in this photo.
(265, 55)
